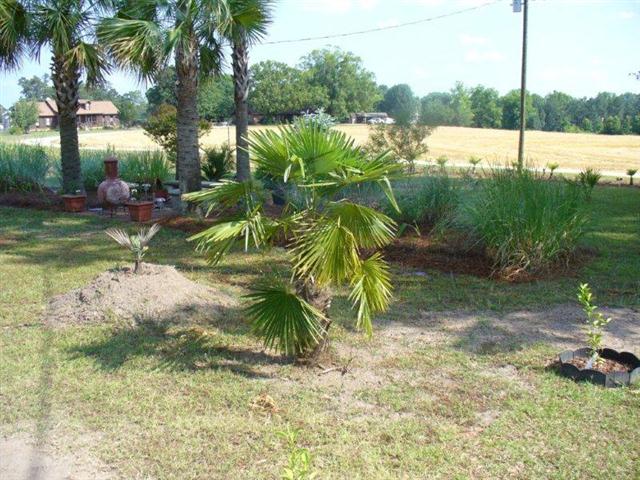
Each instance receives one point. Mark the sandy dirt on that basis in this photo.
(156, 291)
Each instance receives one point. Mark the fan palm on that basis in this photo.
(137, 244)
(248, 24)
(144, 35)
(332, 241)
(66, 28)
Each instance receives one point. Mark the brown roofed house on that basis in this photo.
(91, 114)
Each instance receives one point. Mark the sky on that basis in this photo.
(580, 47)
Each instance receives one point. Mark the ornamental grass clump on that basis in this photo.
(331, 241)
(23, 167)
(525, 223)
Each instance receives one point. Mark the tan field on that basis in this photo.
(570, 150)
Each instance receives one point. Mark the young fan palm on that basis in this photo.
(66, 28)
(332, 240)
(145, 34)
(137, 244)
(249, 20)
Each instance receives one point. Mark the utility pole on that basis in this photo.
(517, 7)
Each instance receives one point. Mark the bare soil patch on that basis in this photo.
(605, 366)
(41, 199)
(157, 291)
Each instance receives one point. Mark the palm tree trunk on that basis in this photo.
(320, 298)
(66, 80)
(240, 60)
(187, 154)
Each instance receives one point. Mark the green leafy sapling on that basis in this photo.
(596, 322)
(300, 462)
(137, 244)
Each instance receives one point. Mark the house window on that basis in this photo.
(47, 121)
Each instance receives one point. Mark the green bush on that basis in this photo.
(525, 223)
(217, 162)
(22, 167)
(429, 201)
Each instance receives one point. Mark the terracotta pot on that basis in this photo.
(140, 211)
(75, 203)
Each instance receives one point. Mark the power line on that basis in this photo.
(388, 27)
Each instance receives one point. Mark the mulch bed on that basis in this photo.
(606, 365)
(41, 199)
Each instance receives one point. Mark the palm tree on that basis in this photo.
(332, 240)
(144, 36)
(66, 28)
(248, 24)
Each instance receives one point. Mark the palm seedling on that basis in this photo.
(442, 161)
(631, 172)
(474, 161)
(552, 168)
(66, 28)
(331, 241)
(137, 244)
(589, 178)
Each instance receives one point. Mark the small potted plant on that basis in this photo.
(75, 202)
(595, 364)
(140, 210)
(136, 244)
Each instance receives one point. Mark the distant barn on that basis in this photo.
(91, 114)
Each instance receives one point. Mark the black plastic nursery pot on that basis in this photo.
(608, 380)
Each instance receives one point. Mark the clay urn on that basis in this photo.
(112, 191)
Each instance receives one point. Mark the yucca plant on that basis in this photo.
(137, 244)
(589, 178)
(631, 172)
(331, 241)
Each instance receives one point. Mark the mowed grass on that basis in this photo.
(570, 150)
(160, 400)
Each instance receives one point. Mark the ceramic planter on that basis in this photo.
(75, 203)
(140, 211)
(610, 379)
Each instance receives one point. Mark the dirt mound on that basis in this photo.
(156, 292)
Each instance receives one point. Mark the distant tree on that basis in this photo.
(132, 108)
(556, 109)
(24, 115)
(348, 85)
(163, 91)
(612, 126)
(511, 110)
(586, 125)
(215, 98)
(403, 142)
(635, 124)
(400, 103)
(277, 89)
(102, 91)
(627, 125)
(36, 88)
(435, 109)
(485, 107)
(461, 106)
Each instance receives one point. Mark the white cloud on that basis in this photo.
(626, 15)
(475, 55)
(466, 39)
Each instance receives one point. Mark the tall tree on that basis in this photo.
(249, 22)
(435, 109)
(349, 86)
(145, 34)
(66, 28)
(36, 88)
(400, 103)
(24, 114)
(461, 105)
(485, 108)
(215, 98)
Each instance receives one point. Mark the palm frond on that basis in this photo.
(283, 319)
(249, 19)
(227, 194)
(92, 59)
(14, 29)
(370, 290)
(370, 228)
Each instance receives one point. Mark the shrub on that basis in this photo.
(217, 162)
(22, 167)
(526, 224)
(430, 201)
(404, 142)
(596, 322)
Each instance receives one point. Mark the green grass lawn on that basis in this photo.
(179, 401)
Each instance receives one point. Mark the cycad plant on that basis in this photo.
(143, 37)
(331, 242)
(137, 244)
(66, 28)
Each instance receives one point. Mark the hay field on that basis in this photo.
(569, 150)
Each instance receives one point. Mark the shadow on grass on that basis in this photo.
(178, 348)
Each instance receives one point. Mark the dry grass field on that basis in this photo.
(569, 150)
